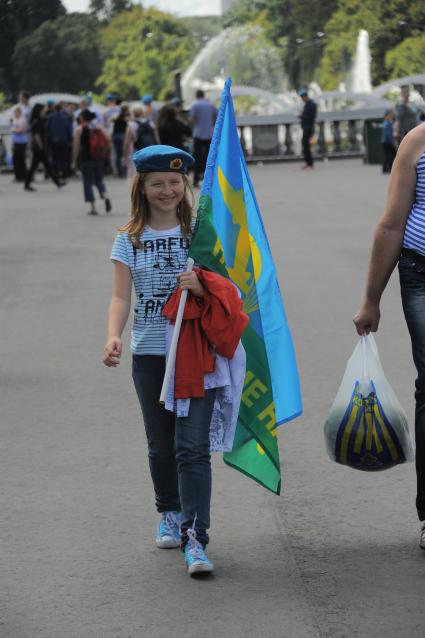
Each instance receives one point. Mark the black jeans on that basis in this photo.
(19, 166)
(118, 140)
(179, 449)
(307, 135)
(60, 158)
(389, 152)
(412, 282)
(200, 151)
(39, 155)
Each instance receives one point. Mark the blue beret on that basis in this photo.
(162, 159)
(147, 99)
(302, 92)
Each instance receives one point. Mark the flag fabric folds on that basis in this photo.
(229, 238)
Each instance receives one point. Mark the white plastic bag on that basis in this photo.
(367, 428)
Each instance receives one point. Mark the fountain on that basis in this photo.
(256, 70)
(360, 74)
(241, 52)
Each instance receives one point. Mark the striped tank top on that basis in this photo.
(414, 233)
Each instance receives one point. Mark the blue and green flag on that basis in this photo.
(229, 238)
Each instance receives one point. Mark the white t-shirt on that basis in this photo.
(154, 270)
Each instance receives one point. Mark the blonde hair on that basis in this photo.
(137, 111)
(140, 210)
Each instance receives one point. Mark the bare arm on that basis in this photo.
(127, 144)
(390, 231)
(76, 146)
(119, 309)
(37, 139)
(397, 130)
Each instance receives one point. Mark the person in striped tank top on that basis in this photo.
(150, 253)
(400, 238)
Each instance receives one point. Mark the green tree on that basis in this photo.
(67, 55)
(203, 28)
(407, 58)
(142, 48)
(19, 18)
(388, 22)
(4, 103)
(294, 26)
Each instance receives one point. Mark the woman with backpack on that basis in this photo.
(140, 133)
(92, 146)
(172, 130)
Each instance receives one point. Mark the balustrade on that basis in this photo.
(278, 137)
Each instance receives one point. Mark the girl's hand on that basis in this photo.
(112, 352)
(190, 281)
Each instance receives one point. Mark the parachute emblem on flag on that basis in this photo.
(246, 269)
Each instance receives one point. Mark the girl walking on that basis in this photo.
(91, 166)
(151, 251)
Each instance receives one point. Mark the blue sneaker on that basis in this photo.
(197, 561)
(168, 533)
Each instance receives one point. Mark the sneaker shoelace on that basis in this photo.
(169, 523)
(195, 550)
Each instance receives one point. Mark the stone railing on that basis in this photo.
(278, 137)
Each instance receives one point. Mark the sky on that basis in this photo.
(182, 7)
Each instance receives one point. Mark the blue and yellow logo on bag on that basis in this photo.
(366, 440)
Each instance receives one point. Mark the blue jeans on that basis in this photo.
(178, 448)
(412, 282)
(92, 172)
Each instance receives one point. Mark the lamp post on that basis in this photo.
(304, 44)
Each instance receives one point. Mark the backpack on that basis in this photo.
(99, 145)
(145, 135)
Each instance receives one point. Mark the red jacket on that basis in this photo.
(217, 319)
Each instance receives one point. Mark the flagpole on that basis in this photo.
(174, 341)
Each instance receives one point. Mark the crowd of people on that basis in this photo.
(53, 133)
(69, 138)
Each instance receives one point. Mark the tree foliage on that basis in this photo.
(67, 53)
(388, 22)
(142, 49)
(407, 58)
(19, 18)
(291, 25)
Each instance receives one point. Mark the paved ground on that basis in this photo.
(335, 556)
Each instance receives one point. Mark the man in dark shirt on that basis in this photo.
(202, 118)
(308, 117)
(59, 137)
(406, 115)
